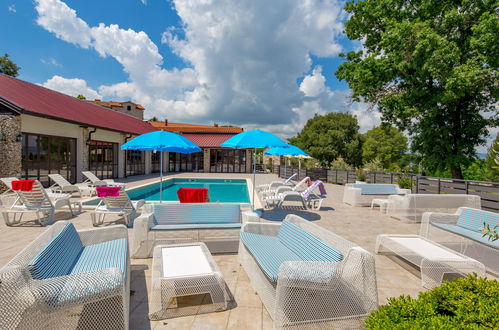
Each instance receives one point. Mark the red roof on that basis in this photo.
(208, 140)
(191, 128)
(40, 101)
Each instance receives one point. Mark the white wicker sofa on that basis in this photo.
(216, 224)
(308, 276)
(410, 208)
(68, 279)
(362, 194)
(461, 231)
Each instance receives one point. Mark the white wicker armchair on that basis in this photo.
(308, 292)
(362, 194)
(461, 231)
(410, 208)
(90, 296)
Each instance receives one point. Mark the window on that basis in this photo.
(103, 159)
(42, 155)
(186, 162)
(156, 161)
(129, 107)
(228, 161)
(135, 163)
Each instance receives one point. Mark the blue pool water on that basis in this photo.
(220, 190)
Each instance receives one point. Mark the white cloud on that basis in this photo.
(73, 87)
(51, 61)
(245, 58)
(12, 8)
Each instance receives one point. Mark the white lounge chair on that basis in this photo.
(121, 205)
(8, 197)
(275, 184)
(308, 198)
(62, 185)
(96, 182)
(39, 202)
(272, 192)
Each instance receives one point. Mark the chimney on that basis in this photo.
(215, 124)
(98, 100)
(166, 122)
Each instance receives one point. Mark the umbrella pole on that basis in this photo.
(161, 177)
(254, 177)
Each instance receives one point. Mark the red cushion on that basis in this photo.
(193, 195)
(108, 191)
(24, 185)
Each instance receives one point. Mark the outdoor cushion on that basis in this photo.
(173, 214)
(305, 245)
(474, 235)
(473, 219)
(269, 253)
(110, 254)
(58, 256)
(376, 189)
(197, 226)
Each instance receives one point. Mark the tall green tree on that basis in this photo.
(492, 161)
(430, 66)
(81, 97)
(386, 143)
(331, 136)
(8, 67)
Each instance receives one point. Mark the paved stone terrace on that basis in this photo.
(357, 224)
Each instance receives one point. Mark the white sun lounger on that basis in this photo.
(308, 198)
(96, 182)
(62, 185)
(272, 192)
(275, 184)
(39, 202)
(120, 205)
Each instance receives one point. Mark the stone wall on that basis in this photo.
(10, 148)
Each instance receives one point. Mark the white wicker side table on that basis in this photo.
(434, 260)
(382, 203)
(180, 270)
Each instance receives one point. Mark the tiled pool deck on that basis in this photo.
(360, 225)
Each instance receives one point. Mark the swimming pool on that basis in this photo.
(220, 190)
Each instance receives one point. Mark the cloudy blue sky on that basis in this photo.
(253, 63)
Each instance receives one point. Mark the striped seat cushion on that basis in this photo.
(473, 219)
(110, 254)
(198, 226)
(305, 245)
(376, 189)
(268, 252)
(58, 257)
(471, 234)
(173, 214)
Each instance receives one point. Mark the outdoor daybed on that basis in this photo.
(306, 275)
(461, 231)
(68, 279)
(216, 224)
(410, 208)
(362, 194)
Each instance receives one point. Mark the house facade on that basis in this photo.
(43, 132)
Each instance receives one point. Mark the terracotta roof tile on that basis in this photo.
(191, 128)
(208, 140)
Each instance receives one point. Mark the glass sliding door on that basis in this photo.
(103, 159)
(155, 161)
(228, 161)
(135, 163)
(186, 162)
(42, 155)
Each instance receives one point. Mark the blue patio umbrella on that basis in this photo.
(161, 141)
(291, 151)
(254, 139)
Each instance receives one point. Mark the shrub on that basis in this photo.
(466, 303)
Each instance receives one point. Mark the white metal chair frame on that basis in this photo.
(121, 205)
(96, 182)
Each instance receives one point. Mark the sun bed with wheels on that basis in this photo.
(308, 277)
(68, 279)
(114, 200)
(308, 198)
(282, 188)
(96, 182)
(462, 231)
(33, 198)
(215, 224)
(275, 184)
(362, 194)
(62, 185)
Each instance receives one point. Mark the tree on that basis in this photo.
(8, 67)
(492, 161)
(386, 143)
(430, 67)
(154, 119)
(331, 136)
(81, 97)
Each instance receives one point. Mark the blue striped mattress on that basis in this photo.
(179, 214)
(376, 189)
(471, 234)
(473, 219)
(291, 244)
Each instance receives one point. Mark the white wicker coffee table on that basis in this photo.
(434, 260)
(382, 203)
(180, 270)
